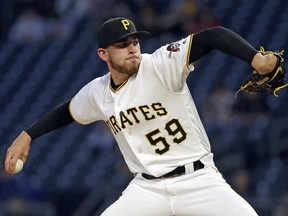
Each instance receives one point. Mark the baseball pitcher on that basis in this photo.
(146, 103)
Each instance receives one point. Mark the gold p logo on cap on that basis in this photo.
(125, 24)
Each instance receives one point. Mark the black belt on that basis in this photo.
(180, 170)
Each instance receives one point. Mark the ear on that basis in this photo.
(102, 53)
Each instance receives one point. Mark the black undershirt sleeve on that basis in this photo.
(56, 118)
(221, 39)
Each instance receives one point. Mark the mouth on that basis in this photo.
(133, 58)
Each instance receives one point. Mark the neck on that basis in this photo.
(119, 78)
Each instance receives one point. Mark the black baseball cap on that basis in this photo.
(116, 29)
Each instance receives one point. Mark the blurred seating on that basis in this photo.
(37, 76)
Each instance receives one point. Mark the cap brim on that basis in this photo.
(141, 34)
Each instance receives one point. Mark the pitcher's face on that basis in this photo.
(124, 56)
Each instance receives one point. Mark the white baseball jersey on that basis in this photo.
(152, 115)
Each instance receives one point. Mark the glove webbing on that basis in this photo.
(279, 88)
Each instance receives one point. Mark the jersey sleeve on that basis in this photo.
(171, 63)
(83, 107)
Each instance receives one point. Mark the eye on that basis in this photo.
(122, 45)
(135, 42)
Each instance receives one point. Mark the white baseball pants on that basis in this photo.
(201, 193)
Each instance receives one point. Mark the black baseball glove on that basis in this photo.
(269, 83)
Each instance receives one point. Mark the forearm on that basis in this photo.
(58, 117)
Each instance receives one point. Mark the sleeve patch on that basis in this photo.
(174, 47)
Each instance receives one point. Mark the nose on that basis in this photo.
(132, 47)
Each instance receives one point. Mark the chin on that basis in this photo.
(133, 68)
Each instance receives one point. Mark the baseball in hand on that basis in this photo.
(18, 166)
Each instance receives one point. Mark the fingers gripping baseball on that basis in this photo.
(19, 149)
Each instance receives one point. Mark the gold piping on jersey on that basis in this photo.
(118, 87)
(72, 114)
(189, 50)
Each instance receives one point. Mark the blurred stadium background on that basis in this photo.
(48, 52)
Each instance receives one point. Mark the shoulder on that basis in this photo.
(95, 85)
(103, 80)
(146, 57)
(174, 51)
(175, 47)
